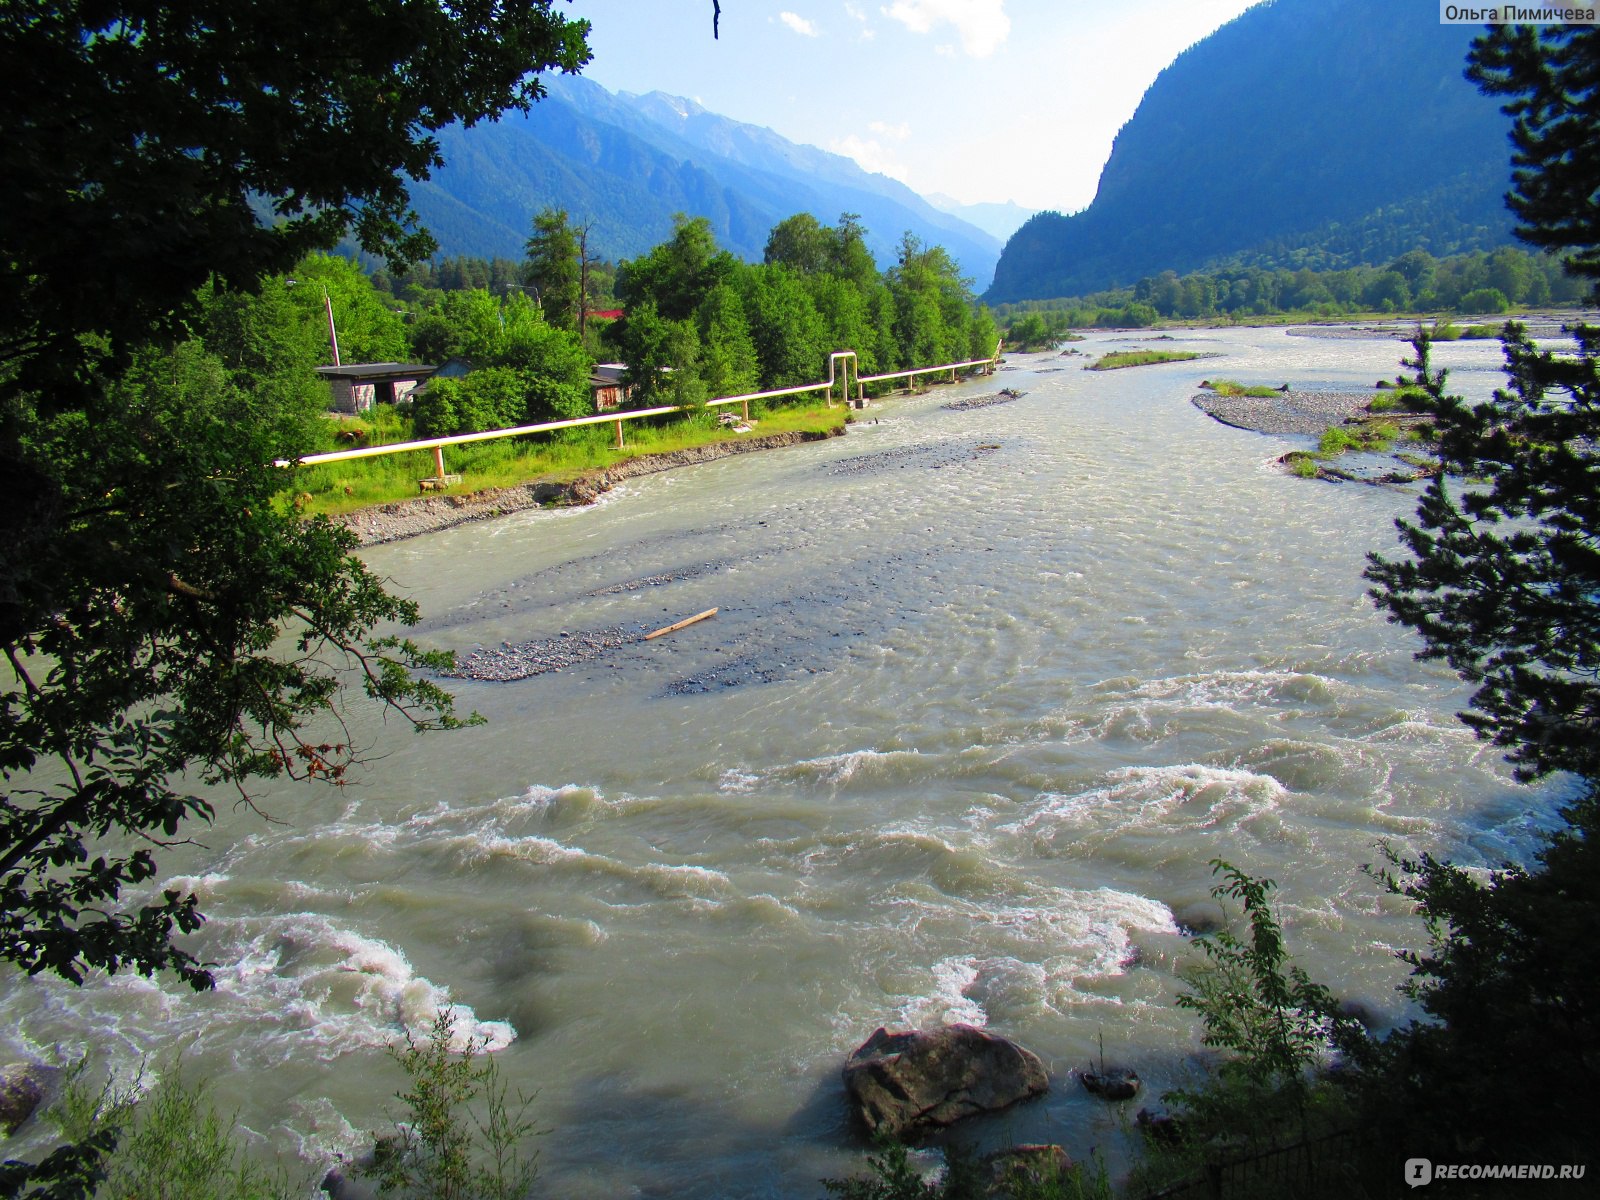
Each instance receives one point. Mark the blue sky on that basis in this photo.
(982, 100)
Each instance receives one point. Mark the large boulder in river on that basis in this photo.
(22, 1089)
(907, 1084)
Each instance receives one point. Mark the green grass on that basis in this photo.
(1301, 464)
(333, 488)
(1403, 399)
(1371, 436)
(1118, 359)
(1228, 387)
(1481, 332)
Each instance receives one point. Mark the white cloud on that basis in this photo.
(898, 132)
(855, 12)
(870, 154)
(798, 23)
(981, 24)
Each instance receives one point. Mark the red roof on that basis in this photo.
(609, 314)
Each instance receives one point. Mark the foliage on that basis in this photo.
(493, 398)
(1503, 583)
(165, 1142)
(891, 1176)
(368, 329)
(1503, 572)
(1267, 1013)
(1550, 71)
(1246, 291)
(1278, 1029)
(142, 136)
(555, 268)
(531, 371)
(1483, 300)
(167, 628)
(464, 1139)
(1301, 464)
(1228, 387)
(1509, 984)
(1370, 436)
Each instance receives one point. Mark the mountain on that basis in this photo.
(1339, 128)
(625, 164)
(1002, 220)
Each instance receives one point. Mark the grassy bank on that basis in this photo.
(1118, 359)
(341, 487)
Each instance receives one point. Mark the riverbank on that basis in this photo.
(429, 514)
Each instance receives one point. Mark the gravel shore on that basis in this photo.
(1306, 413)
(428, 514)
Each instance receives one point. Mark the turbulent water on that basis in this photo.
(986, 692)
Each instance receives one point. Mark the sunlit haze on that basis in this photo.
(982, 100)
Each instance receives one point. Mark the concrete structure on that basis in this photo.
(358, 386)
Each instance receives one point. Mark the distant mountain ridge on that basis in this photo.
(1339, 131)
(1002, 220)
(625, 164)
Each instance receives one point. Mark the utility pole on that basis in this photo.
(333, 334)
(583, 280)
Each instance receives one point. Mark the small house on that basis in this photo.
(605, 381)
(358, 386)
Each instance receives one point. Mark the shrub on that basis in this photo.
(964, 1177)
(1486, 300)
(129, 1143)
(463, 1140)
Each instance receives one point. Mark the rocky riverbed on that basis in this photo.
(428, 514)
(1307, 413)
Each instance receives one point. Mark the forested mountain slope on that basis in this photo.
(1305, 132)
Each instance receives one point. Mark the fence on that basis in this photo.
(840, 363)
(1318, 1166)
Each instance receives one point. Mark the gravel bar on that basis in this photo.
(523, 660)
(1306, 413)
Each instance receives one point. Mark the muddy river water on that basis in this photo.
(987, 690)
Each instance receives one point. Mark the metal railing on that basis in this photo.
(840, 363)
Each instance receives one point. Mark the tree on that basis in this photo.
(728, 362)
(555, 268)
(799, 243)
(139, 625)
(1504, 578)
(140, 136)
(678, 274)
(1503, 583)
(1552, 73)
(148, 572)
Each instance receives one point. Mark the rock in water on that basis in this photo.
(1115, 1083)
(22, 1089)
(907, 1084)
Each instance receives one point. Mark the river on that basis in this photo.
(987, 691)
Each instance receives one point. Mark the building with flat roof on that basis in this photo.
(358, 386)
